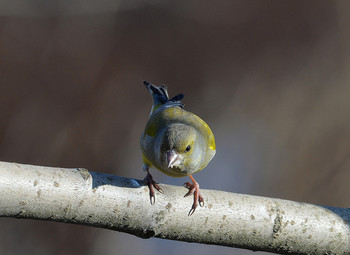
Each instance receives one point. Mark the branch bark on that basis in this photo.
(100, 200)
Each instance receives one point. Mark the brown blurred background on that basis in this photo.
(271, 78)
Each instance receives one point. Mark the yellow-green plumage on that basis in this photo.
(163, 117)
(175, 141)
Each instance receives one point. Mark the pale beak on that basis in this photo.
(172, 159)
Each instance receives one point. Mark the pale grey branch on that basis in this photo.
(257, 223)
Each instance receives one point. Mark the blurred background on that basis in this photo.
(271, 78)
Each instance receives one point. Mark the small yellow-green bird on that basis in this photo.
(176, 142)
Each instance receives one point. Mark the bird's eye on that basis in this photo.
(188, 148)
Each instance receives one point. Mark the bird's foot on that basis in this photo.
(197, 197)
(152, 185)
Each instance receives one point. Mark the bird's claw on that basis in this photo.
(201, 200)
(197, 197)
(190, 188)
(152, 185)
(191, 211)
(152, 199)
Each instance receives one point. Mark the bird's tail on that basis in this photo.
(160, 96)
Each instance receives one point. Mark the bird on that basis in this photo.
(176, 142)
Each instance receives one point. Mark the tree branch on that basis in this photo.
(100, 200)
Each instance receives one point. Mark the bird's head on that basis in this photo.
(181, 148)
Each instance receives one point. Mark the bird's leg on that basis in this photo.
(151, 183)
(194, 189)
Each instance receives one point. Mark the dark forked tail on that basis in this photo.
(160, 95)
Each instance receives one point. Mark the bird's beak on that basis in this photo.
(172, 159)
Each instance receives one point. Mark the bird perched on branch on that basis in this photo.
(176, 142)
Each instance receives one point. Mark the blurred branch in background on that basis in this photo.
(257, 223)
